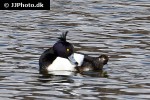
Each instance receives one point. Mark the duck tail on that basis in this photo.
(63, 36)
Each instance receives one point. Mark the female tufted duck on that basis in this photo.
(92, 63)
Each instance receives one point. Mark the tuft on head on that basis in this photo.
(63, 36)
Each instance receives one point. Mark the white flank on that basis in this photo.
(57, 72)
(63, 64)
(79, 58)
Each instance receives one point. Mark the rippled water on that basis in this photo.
(119, 28)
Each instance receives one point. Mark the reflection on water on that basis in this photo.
(117, 28)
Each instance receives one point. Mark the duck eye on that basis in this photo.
(67, 50)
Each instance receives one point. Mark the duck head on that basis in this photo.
(64, 49)
(103, 58)
(100, 61)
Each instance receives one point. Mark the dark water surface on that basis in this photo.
(119, 28)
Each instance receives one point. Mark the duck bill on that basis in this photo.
(72, 60)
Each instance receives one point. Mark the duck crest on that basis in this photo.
(63, 36)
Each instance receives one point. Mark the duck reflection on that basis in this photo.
(68, 77)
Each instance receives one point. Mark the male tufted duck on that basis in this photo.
(58, 57)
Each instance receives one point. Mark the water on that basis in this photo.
(119, 28)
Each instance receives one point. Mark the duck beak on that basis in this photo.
(72, 60)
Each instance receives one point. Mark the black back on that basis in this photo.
(46, 59)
